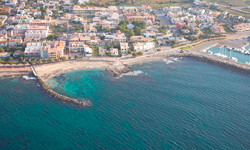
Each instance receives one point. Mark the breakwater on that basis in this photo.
(49, 91)
(235, 66)
(119, 68)
(10, 74)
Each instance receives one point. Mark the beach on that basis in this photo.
(47, 71)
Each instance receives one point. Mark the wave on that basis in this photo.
(29, 78)
(132, 73)
(170, 60)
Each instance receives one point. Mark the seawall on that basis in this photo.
(211, 59)
(49, 91)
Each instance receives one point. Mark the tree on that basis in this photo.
(76, 56)
(174, 42)
(106, 30)
(69, 58)
(137, 30)
(140, 53)
(134, 54)
(10, 62)
(63, 58)
(44, 61)
(168, 27)
(10, 58)
(174, 34)
(56, 60)
(38, 61)
(156, 42)
(31, 62)
(50, 60)
(158, 50)
(131, 33)
(172, 31)
(109, 54)
(187, 27)
(168, 42)
(1, 50)
(129, 51)
(162, 44)
(120, 53)
(20, 59)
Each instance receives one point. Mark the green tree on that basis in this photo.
(69, 58)
(131, 33)
(174, 42)
(31, 62)
(44, 61)
(1, 50)
(140, 53)
(109, 54)
(38, 61)
(76, 56)
(134, 54)
(120, 53)
(137, 30)
(129, 51)
(168, 42)
(162, 44)
(63, 58)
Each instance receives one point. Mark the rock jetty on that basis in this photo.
(211, 59)
(119, 68)
(48, 90)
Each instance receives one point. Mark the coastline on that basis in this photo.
(50, 70)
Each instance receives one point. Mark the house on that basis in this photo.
(140, 39)
(22, 5)
(87, 51)
(20, 30)
(124, 48)
(165, 9)
(180, 25)
(15, 42)
(4, 55)
(17, 53)
(149, 34)
(3, 41)
(175, 8)
(218, 29)
(185, 31)
(114, 51)
(6, 10)
(77, 42)
(102, 52)
(143, 46)
(11, 2)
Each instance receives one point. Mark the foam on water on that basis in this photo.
(29, 78)
(132, 73)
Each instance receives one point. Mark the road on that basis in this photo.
(69, 27)
(240, 9)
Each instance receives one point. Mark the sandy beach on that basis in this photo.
(47, 71)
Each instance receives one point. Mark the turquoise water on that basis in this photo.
(241, 57)
(183, 104)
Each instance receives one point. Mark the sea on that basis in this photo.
(172, 103)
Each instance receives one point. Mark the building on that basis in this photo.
(4, 55)
(39, 22)
(143, 46)
(77, 42)
(52, 49)
(175, 8)
(218, 29)
(124, 48)
(15, 42)
(114, 51)
(242, 27)
(102, 52)
(140, 39)
(93, 10)
(37, 32)
(32, 49)
(180, 25)
(17, 53)
(20, 30)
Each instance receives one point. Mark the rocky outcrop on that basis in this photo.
(119, 68)
(48, 90)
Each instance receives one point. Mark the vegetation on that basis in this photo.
(58, 28)
(52, 37)
(186, 47)
(95, 51)
(227, 29)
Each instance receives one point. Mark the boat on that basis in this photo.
(210, 52)
(220, 55)
(248, 63)
(233, 59)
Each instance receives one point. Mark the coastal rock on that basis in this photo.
(119, 68)
(48, 90)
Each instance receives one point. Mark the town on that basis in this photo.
(40, 31)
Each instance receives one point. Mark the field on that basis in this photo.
(154, 4)
(236, 3)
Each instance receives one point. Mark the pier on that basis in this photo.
(119, 68)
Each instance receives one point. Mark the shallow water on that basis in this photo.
(181, 105)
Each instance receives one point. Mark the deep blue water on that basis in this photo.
(183, 104)
(241, 57)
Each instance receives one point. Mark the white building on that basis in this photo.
(87, 51)
(143, 46)
(124, 48)
(37, 32)
(33, 49)
(175, 8)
